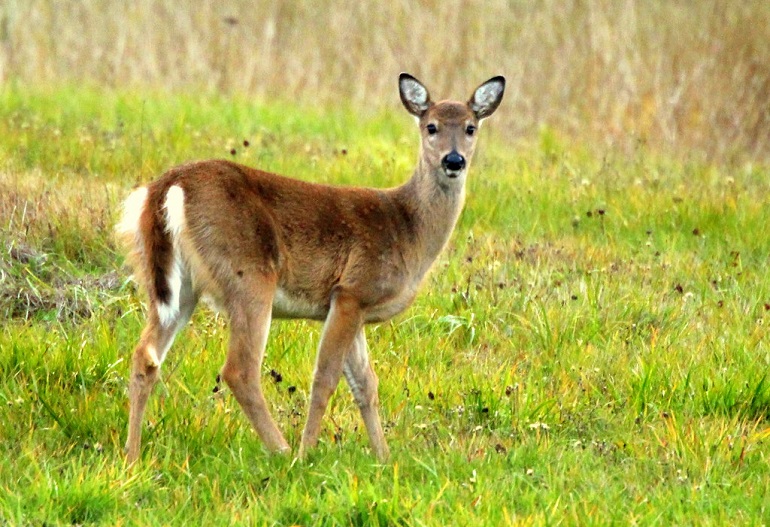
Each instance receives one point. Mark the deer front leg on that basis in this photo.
(363, 383)
(344, 321)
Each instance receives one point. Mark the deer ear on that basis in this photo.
(487, 97)
(414, 95)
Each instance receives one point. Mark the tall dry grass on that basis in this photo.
(687, 77)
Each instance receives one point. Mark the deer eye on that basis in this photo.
(431, 128)
(470, 129)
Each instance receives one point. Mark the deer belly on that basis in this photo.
(288, 305)
(391, 306)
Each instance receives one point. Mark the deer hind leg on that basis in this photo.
(249, 328)
(342, 324)
(156, 339)
(363, 383)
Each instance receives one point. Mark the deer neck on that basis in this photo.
(434, 205)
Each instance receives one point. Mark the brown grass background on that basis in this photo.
(690, 78)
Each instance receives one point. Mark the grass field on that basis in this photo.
(679, 76)
(591, 348)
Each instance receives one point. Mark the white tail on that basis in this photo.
(262, 246)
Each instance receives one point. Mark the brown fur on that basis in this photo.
(263, 246)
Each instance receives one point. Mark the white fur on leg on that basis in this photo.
(354, 368)
(152, 357)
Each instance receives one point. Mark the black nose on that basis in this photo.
(453, 161)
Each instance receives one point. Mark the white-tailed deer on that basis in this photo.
(263, 246)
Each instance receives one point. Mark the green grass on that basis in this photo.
(591, 348)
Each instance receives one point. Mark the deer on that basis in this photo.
(260, 246)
